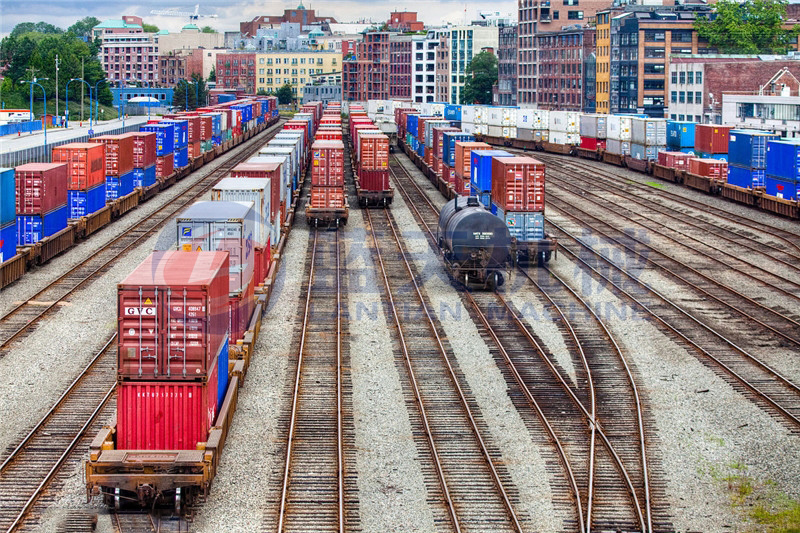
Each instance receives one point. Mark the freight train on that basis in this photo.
(95, 193)
(476, 245)
(369, 153)
(189, 318)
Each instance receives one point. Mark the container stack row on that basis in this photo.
(328, 196)
(370, 159)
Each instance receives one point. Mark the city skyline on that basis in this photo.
(63, 13)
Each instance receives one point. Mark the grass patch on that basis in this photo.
(655, 184)
(761, 503)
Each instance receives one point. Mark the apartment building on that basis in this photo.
(301, 15)
(365, 74)
(564, 60)
(457, 46)
(536, 16)
(505, 92)
(400, 66)
(127, 52)
(423, 66)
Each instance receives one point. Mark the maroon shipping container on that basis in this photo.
(85, 164)
(195, 150)
(119, 153)
(144, 148)
(328, 135)
(241, 308)
(41, 187)
(206, 127)
(327, 167)
(711, 139)
(298, 125)
(437, 139)
(327, 197)
(677, 160)
(173, 314)
(710, 168)
(165, 165)
(194, 127)
(374, 180)
(263, 170)
(166, 415)
(590, 143)
(518, 183)
(373, 150)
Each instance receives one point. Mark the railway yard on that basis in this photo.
(639, 381)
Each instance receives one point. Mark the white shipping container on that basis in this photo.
(561, 137)
(468, 114)
(541, 135)
(593, 126)
(495, 131)
(481, 129)
(525, 134)
(509, 132)
(649, 131)
(437, 108)
(481, 114)
(494, 116)
(275, 149)
(468, 127)
(525, 119)
(510, 116)
(541, 119)
(293, 134)
(564, 121)
(256, 190)
(426, 108)
(618, 128)
(617, 147)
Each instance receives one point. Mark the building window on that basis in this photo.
(654, 36)
(674, 99)
(681, 118)
(674, 78)
(682, 76)
(689, 97)
(690, 77)
(698, 97)
(698, 76)
(697, 118)
(681, 98)
(555, 15)
(673, 116)
(575, 15)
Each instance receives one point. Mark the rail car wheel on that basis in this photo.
(178, 497)
(117, 499)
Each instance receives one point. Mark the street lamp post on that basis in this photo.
(90, 99)
(96, 98)
(44, 96)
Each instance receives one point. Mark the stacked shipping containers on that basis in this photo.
(747, 157)
(41, 201)
(144, 158)
(648, 137)
(172, 350)
(327, 175)
(8, 215)
(518, 196)
(711, 141)
(481, 167)
(533, 124)
(593, 132)
(449, 140)
(618, 134)
(86, 177)
(680, 136)
(783, 169)
(119, 164)
(564, 128)
(276, 169)
(165, 147)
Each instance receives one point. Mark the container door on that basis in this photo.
(186, 346)
(534, 190)
(515, 187)
(140, 316)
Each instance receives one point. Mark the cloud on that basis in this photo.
(63, 13)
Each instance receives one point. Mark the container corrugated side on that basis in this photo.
(118, 153)
(85, 164)
(463, 158)
(41, 187)
(481, 168)
(8, 241)
(783, 159)
(7, 196)
(33, 228)
(518, 183)
(256, 190)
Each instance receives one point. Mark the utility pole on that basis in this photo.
(56, 86)
(82, 89)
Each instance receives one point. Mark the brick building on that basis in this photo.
(564, 58)
(236, 71)
(301, 15)
(365, 74)
(457, 46)
(405, 21)
(400, 50)
(536, 16)
(180, 65)
(505, 92)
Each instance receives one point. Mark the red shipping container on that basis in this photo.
(195, 149)
(263, 257)
(437, 166)
(464, 150)
(518, 183)
(357, 132)
(165, 165)
(590, 143)
(327, 166)
(85, 164)
(263, 170)
(240, 311)
(357, 126)
(206, 127)
(710, 168)
(165, 415)
(172, 314)
(374, 180)
(373, 150)
(330, 121)
(299, 125)
(119, 153)
(677, 160)
(194, 127)
(328, 135)
(327, 197)
(437, 139)
(429, 158)
(711, 139)
(144, 148)
(41, 187)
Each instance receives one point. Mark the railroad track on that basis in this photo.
(313, 487)
(35, 461)
(611, 487)
(148, 522)
(21, 319)
(474, 489)
(596, 173)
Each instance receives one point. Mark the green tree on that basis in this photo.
(212, 76)
(208, 29)
(481, 76)
(196, 90)
(752, 27)
(34, 27)
(261, 92)
(83, 27)
(150, 28)
(285, 95)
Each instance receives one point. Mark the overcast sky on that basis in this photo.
(63, 13)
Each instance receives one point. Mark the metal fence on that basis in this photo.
(20, 127)
(38, 154)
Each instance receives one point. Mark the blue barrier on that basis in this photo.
(20, 127)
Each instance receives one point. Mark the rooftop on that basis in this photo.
(116, 23)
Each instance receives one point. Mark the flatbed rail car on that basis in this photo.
(755, 197)
(81, 228)
(525, 253)
(141, 477)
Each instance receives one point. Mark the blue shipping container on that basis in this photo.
(421, 149)
(8, 197)
(165, 137)
(481, 168)
(449, 140)
(484, 198)
(452, 112)
(680, 135)
(222, 376)
(216, 139)
(412, 121)
(8, 242)
(182, 157)
(181, 131)
(222, 98)
(748, 148)
(523, 226)
(119, 186)
(781, 188)
(745, 177)
(783, 159)
(718, 157)
(84, 203)
(144, 177)
(33, 228)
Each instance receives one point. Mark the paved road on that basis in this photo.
(12, 143)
